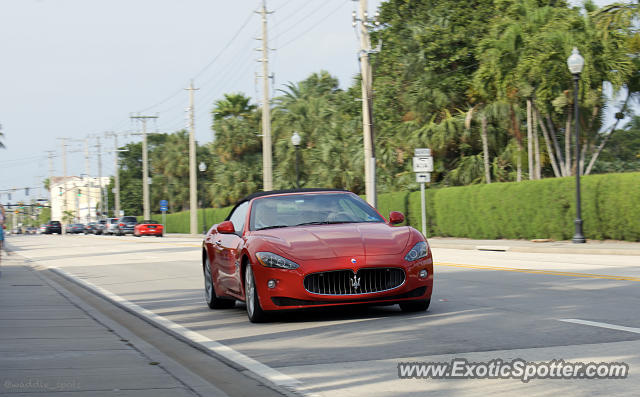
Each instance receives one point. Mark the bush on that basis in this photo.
(534, 209)
(514, 210)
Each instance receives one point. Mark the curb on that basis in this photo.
(287, 387)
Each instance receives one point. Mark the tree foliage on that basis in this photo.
(454, 76)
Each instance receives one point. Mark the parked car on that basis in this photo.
(31, 230)
(148, 228)
(126, 225)
(74, 228)
(111, 227)
(90, 228)
(53, 227)
(310, 248)
(100, 226)
(42, 229)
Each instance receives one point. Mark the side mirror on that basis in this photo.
(396, 217)
(226, 227)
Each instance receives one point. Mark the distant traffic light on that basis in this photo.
(60, 192)
(26, 191)
(79, 193)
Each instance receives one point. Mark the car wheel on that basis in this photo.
(210, 293)
(254, 310)
(416, 306)
(158, 235)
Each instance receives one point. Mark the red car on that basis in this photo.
(297, 249)
(148, 228)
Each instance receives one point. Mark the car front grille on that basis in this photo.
(346, 282)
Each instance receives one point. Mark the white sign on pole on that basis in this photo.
(422, 152)
(423, 164)
(423, 177)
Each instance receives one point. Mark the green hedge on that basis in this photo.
(537, 209)
(179, 222)
(523, 210)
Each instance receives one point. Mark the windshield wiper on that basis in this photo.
(312, 223)
(272, 227)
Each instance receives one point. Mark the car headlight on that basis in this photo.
(269, 259)
(418, 251)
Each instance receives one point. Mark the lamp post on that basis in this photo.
(295, 140)
(202, 167)
(575, 62)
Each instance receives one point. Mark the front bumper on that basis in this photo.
(289, 291)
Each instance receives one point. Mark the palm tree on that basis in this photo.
(311, 108)
(233, 105)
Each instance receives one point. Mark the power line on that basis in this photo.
(207, 66)
(313, 12)
(244, 24)
(298, 36)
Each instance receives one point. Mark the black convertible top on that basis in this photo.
(272, 192)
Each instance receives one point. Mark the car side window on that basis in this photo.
(239, 216)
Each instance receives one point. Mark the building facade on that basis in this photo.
(77, 199)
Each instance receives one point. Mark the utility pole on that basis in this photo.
(267, 172)
(367, 119)
(116, 194)
(193, 182)
(50, 155)
(102, 195)
(88, 172)
(64, 169)
(145, 166)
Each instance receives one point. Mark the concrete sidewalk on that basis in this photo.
(51, 343)
(597, 247)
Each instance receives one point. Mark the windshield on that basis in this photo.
(310, 209)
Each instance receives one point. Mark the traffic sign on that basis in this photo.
(423, 164)
(423, 177)
(422, 152)
(163, 205)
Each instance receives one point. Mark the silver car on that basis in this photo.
(112, 226)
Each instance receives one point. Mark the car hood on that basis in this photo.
(328, 241)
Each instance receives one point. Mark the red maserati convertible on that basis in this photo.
(296, 249)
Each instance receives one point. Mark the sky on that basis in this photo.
(79, 68)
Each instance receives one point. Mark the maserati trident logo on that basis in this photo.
(355, 282)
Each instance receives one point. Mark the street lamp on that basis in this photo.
(295, 140)
(575, 62)
(202, 167)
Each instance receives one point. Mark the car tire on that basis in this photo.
(213, 301)
(254, 310)
(415, 306)
(158, 235)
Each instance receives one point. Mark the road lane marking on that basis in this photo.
(258, 368)
(601, 325)
(536, 271)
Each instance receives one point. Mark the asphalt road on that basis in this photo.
(486, 305)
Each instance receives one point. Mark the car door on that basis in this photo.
(226, 251)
